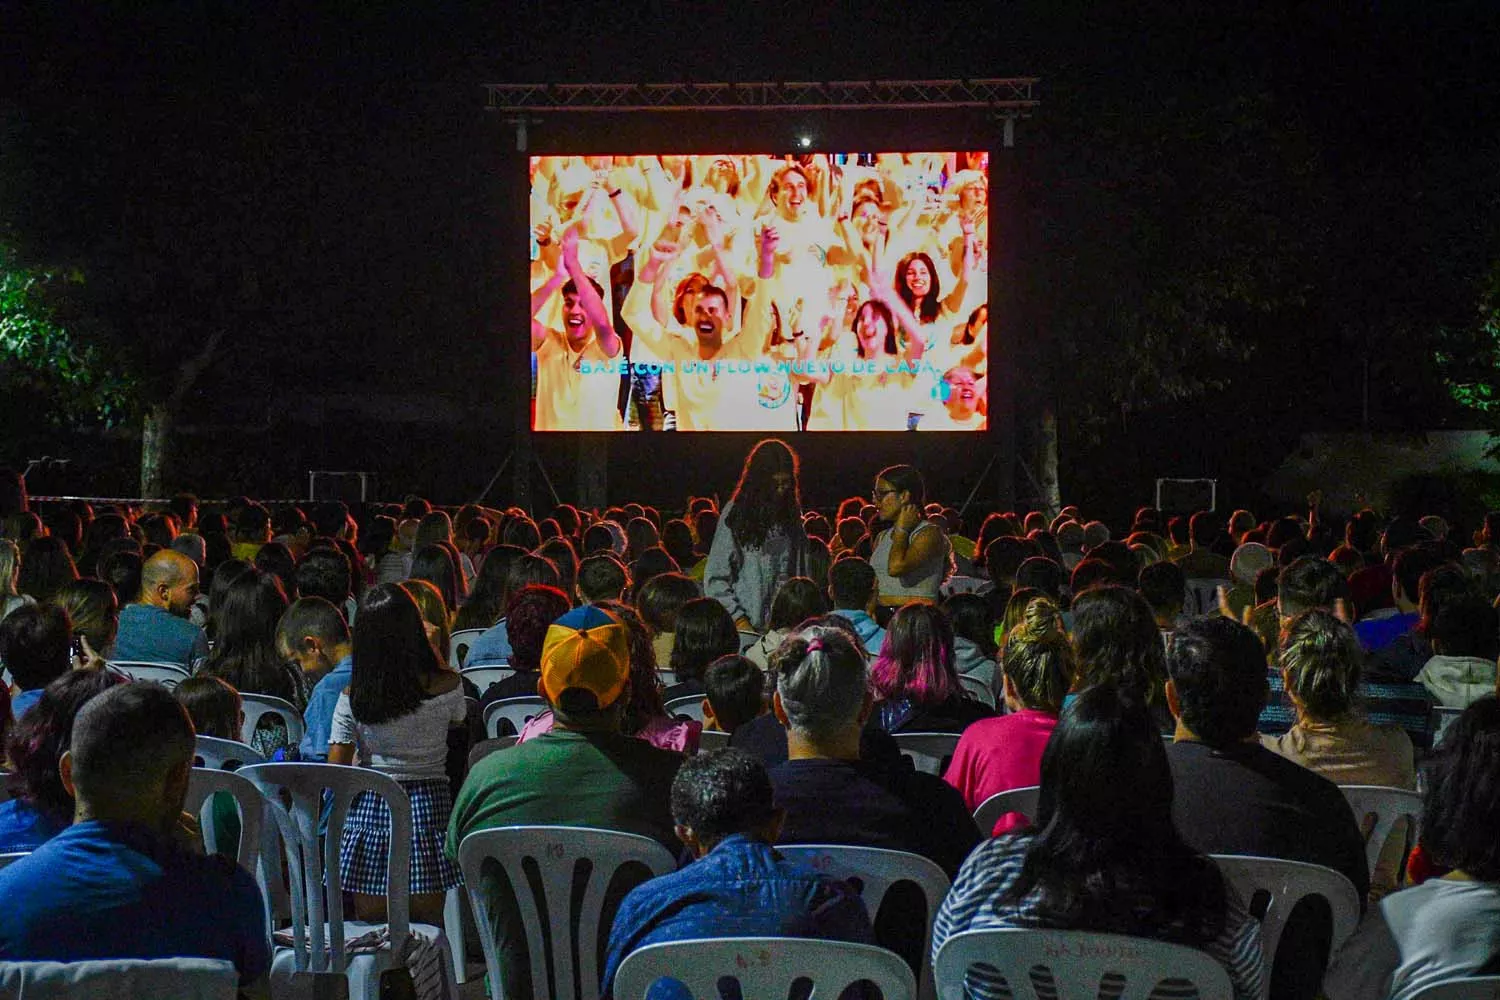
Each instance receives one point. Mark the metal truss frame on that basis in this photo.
(1011, 96)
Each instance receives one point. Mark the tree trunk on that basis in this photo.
(1046, 451)
(155, 443)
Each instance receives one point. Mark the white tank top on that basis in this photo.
(921, 584)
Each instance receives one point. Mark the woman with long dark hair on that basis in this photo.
(912, 556)
(434, 563)
(396, 717)
(245, 653)
(490, 595)
(1102, 853)
(915, 684)
(45, 567)
(1446, 927)
(759, 543)
(1116, 642)
(704, 633)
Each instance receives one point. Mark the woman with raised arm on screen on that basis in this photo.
(759, 543)
(911, 557)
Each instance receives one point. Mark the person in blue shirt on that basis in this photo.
(492, 648)
(156, 629)
(34, 646)
(851, 584)
(121, 882)
(40, 807)
(1380, 629)
(313, 634)
(738, 886)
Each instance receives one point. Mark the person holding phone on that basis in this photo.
(912, 556)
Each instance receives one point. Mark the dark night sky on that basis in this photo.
(358, 169)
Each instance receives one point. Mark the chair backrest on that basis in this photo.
(666, 677)
(1468, 988)
(459, 643)
(186, 978)
(484, 748)
(483, 677)
(216, 753)
(977, 689)
(712, 739)
(748, 639)
(1377, 809)
(516, 711)
(313, 863)
(1015, 800)
(1202, 597)
(167, 674)
(558, 854)
(1287, 883)
(1441, 718)
(259, 705)
(764, 967)
(873, 871)
(689, 705)
(11, 857)
(1039, 964)
(203, 782)
(928, 752)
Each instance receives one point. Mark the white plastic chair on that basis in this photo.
(764, 967)
(1442, 717)
(556, 853)
(11, 857)
(203, 782)
(666, 678)
(318, 929)
(689, 705)
(1386, 806)
(748, 639)
(483, 677)
(516, 711)
(712, 739)
(167, 674)
(1014, 800)
(258, 705)
(1288, 883)
(1470, 988)
(1076, 961)
(873, 871)
(216, 753)
(187, 978)
(929, 752)
(977, 689)
(459, 643)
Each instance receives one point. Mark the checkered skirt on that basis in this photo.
(366, 846)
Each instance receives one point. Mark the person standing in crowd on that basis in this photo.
(911, 557)
(760, 542)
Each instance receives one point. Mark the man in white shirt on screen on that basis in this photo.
(578, 367)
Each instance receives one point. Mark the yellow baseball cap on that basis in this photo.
(588, 649)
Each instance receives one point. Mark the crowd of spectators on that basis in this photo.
(1190, 686)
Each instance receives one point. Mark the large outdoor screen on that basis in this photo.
(707, 292)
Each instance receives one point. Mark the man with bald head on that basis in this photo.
(155, 628)
(122, 881)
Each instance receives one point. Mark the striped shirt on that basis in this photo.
(975, 904)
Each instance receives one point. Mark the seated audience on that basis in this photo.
(1401, 660)
(734, 693)
(400, 714)
(1379, 629)
(1465, 637)
(1446, 927)
(531, 611)
(583, 772)
(490, 592)
(11, 598)
(45, 566)
(94, 613)
(974, 646)
(704, 632)
(217, 711)
(1236, 797)
(602, 577)
(492, 648)
(1165, 591)
(119, 882)
(325, 572)
(40, 806)
(1103, 853)
(737, 885)
(916, 687)
(997, 755)
(1200, 562)
(245, 653)
(1320, 667)
(155, 628)
(796, 600)
(659, 599)
(35, 646)
(313, 635)
(852, 586)
(1116, 641)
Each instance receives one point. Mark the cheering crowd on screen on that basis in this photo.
(1175, 690)
(733, 292)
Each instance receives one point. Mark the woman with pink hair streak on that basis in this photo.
(914, 681)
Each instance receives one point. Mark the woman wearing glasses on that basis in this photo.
(911, 558)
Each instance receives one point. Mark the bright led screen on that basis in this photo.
(820, 292)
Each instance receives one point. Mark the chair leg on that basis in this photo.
(453, 929)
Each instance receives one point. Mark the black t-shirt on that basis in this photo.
(874, 804)
(1244, 799)
(765, 737)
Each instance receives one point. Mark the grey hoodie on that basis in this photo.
(744, 580)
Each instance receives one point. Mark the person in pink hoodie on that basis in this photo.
(996, 755)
